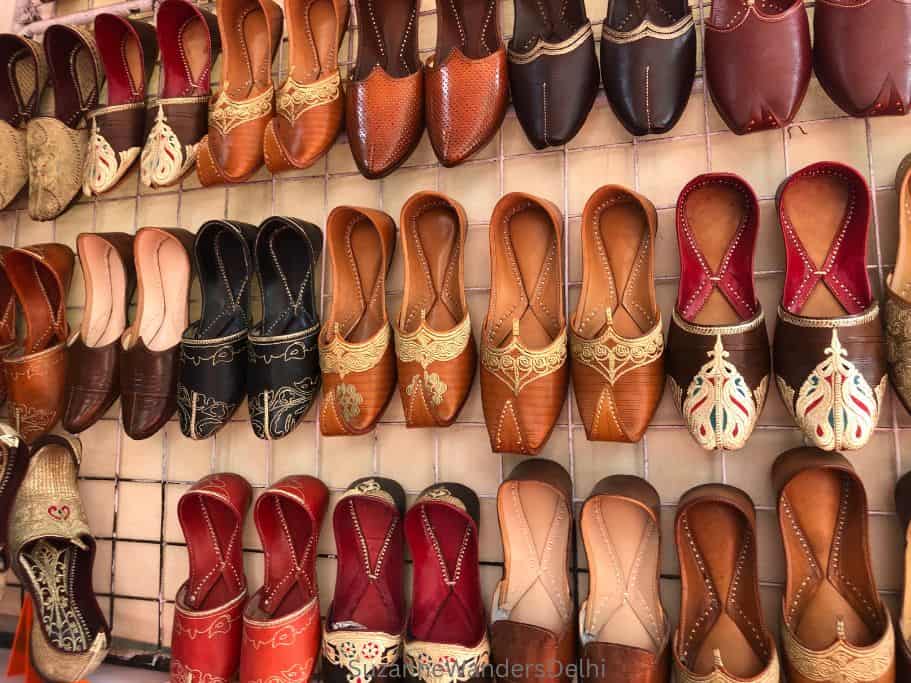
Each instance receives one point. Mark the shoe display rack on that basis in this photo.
(131, 488)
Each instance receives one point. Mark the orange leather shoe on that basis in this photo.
(524, 374)
(251, 32)
(433, 342)
(355, 353)
(309, 106)
(282, 628)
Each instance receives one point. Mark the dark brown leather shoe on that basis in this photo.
(903, 632)
(533, 625)
(93, 370)
(743, 39)
(150, 357)
(7, 317)
(648, 62)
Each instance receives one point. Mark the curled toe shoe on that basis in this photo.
(7, 318)
(898, 293)
(14, 459)
(213, 350)
(283, 375)
(830, 352)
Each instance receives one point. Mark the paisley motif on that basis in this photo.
(103, 166)
(180, 673)
(164, 159)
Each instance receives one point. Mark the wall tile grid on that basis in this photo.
(131, 488)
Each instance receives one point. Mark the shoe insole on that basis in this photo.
(224, 277)
(20, 81)
(312, 43)
(186, 59)
(125, 82)
(287, 281)
(386, 37)
(469, 25)
(901, 276)
(289, 542)
(250, 35)
(105, 317)
(208, 532)
(163, 271)
(360, 289)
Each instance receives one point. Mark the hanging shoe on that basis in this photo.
(903, 630)
(7, 318)
(14, 459)
(898, 293)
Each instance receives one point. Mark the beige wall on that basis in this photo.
(6, 14)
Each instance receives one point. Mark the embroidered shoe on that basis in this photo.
(717, 349)
(206, 640)
(7, 318)
(14, 459)
(281, 633)
(898, 293)
(903, 630)
(52, 552)
(366, 620)
(829, 353)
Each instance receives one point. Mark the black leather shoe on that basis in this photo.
(213, 350)
(284, 373)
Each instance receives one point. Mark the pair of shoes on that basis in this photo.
(367, 635)
(217, 630)
(34, 371)
(829, 350)
(897, 309)
(223, 356)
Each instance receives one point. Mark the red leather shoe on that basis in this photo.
(447, 630)
(366, 620)
(282, 620)
(205, 645)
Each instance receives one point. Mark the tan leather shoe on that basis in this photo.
(835, 627)
(433, 342)
(722, 635)
(524, 374)
(616, 339)
(355, 353)
(532, 630)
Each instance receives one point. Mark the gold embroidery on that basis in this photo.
(542, 48)
(517, 366)
(370, 488)
(227, 114)
(434, 384)
(719, 675)
(294, 98)
(612, 355)
(343, 357)
(898, 343)
(361, 654)
(426, 346)
(164, 159)
(647, 29)
(440, 494)
(712, 330)
(445, 663)
(103, 166)
(861, 318)
(349, 401)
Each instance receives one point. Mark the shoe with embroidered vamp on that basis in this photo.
(213, 350)
(7, 318)
(717, 356)
(829, 351)
(365, 623)
(897, 308)
(208, 611)
(282, 627)
(14, 459)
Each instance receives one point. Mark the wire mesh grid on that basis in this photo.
(665, 454)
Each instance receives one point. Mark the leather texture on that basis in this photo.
(8, 307)
(283, 375)
(859, 55)
(281, 629)
(897, 309)
(232, 151)
(524, 369)
(206, 638)
(616, 339)
(356, 351)
(189, 41)
(435, 349)
(648, 63)
(35, 369)
(744, 40)
(93, 367)
(213, 349)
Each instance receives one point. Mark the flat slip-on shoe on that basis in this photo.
(447, 626)
(7, 317)
(52, 552)
(384, 100)
(309, 105)
(859, 55)
(283, 373)
(532, 625)
(150, 347)
(355, 353)
(93, 367)
(128, 51)
(21, 85)
(717, 355)
(189, 42)
(465, 80)
(742, 40)
(434, 347)
(206, 640)
(524, 373)
(648, 63)
(903, 631)
(366, 620)
(615, 335)
(834, 626)
(282, 627)
(35, 370)
(623, 627)
(251, 32)
(553, 71)
(58, 145)
(721, 636)
(897, 310)
(14, 459)
(829, 351)
(213, 350)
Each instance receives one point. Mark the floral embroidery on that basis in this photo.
(361, 654)
(349, 401)
(226, 114)
(103, 166)
(444, 663)
(612, 355)
(298, 673)
(201, 415)
(294, 98)
(181, 673)
(275, 412)
(164, 158)
(517, 366)
(344, 358)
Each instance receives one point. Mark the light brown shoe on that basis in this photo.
(722, 635)
(616, 339)
(835, 627)
(355, 350)
(524, 374)
(435, 349)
